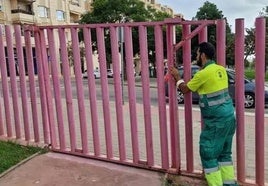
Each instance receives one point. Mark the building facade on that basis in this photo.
(56, 12)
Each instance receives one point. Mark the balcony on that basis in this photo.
(75, 8)
(27, 1)
(19, 16)
(2, 16)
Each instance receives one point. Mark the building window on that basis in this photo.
(60, 15)
(43, 11)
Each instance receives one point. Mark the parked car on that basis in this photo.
(96, 74)
(249, 88)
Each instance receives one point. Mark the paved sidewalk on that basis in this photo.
(53, 169)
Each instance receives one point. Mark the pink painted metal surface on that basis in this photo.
(4, 79)
(42, 89)
(92, 91)
(68, 89)
(118, 94)
(13, 81)
(23, 89)
(221, 39)
(48, 93)
(259, 107)
(131, 94)
(146, 94)
(188, 101)
(30, 67)
(240, 100)
(79, 88)
(56, 85)
(162, 103)
(174, 128)
(105, 92)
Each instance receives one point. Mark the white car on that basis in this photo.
(96, 74)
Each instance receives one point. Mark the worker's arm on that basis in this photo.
(180, 84)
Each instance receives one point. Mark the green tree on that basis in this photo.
(209, 11)
(115, 11)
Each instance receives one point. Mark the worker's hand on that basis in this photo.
(175, 73)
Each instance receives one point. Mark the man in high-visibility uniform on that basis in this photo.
(217, 111)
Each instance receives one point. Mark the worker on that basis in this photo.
(215, 145)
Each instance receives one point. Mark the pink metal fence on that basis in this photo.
(91, 118)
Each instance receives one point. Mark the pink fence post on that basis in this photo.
(259, 106)
(92, 90)
(20, 58)
(221, 39)
(240, 100)
(3, 68)
(118, 93)
(30, 68)
(105, 91)
(146, 94)
(173, 106)
(161, 96)
(79, 88)
(56, 87)
(13, 79)
(131, 93)
(42, 88)
(48, 89)
(188, 101)
(68, 88)
(203, 35)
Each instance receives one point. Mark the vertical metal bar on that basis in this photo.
(56, 87)
(161, 96)
(188, 101)
(118, 93)
(3, 68)
(42, 87)
(92, 90)
(131, 93)
(173, 106)
(30, 68)
(146, 94)
(68, 88)
(105, 91)
(79, 88)
(23, 89)
(48, 89)
(259, 106)
(221, 38)
(203, 35)
(240, 98)
(14, 88)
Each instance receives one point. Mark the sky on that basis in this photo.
(231, 9)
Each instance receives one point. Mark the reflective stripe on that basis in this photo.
(210, 170)
(214, 94)
(218, 102)
(229, 182)
(201, 104)
(225, 163)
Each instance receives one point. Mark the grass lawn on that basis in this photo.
(12, 153)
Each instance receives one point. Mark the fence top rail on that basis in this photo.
(170, 21)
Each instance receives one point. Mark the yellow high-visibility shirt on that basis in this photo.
(211, 78)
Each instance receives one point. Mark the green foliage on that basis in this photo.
(115, 11)
(209, 11)
(250, 74)
(12, 153)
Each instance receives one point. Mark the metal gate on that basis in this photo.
(112, 119)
